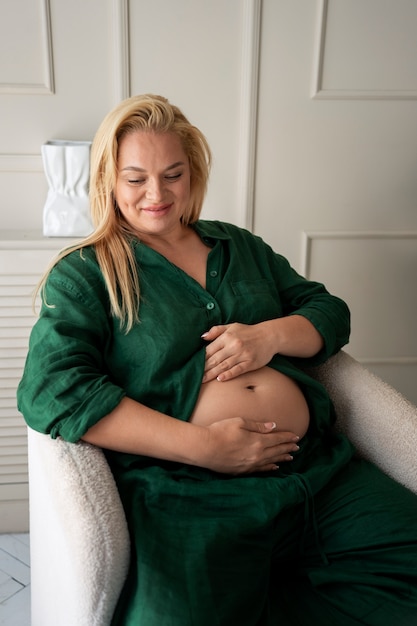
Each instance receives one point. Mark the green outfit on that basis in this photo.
(316, 540)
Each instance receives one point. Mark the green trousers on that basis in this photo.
(209, 550)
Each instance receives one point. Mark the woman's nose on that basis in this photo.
(154, 190)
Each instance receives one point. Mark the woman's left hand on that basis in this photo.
(235, 349)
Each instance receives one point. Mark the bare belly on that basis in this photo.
(264, 395)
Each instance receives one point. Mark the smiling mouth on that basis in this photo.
(157, 209)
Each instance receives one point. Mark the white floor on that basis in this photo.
(14, 580)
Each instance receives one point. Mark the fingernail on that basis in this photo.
(220, 378)
(271, 425)
(204, 335)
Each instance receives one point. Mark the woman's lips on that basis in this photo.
(157, 208)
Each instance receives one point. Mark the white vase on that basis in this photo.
(67, 168)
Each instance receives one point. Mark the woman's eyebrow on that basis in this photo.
(140, 169)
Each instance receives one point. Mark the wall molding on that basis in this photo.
(251, 36)
(121, 50)
(309, 237)
(319, 93)
(47, 87)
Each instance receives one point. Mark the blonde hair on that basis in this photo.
(112, 235)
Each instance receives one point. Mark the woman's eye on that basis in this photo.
(140, 181)
(172, 177)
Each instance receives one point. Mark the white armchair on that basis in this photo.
(78, 532)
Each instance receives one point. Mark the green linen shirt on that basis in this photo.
(80, 362)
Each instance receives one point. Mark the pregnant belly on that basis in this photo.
(264, 395)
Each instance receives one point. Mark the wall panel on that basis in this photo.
(366, 49)
(26, 65)
(375, 272)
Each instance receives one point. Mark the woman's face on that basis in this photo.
(153, 183)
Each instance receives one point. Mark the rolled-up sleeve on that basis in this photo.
(66, 387)
(328, 313)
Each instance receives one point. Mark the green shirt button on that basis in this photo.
(210, 306)
(213, 273)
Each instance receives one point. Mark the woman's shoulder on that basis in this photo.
(75, 259)
(77, 269)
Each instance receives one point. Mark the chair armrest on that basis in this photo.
(379, 421)
(78, 534)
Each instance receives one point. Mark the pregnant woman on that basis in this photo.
(178, 345)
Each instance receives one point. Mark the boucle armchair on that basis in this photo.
(78, 532)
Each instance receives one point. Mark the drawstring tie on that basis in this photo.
(310, 514)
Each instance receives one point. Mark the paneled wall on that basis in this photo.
(336, 189)
(88, 55)
(310, 107)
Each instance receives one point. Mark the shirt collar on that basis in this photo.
(210, 230)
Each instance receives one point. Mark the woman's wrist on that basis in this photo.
(293, 335)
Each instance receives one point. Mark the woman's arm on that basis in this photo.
(233, 446)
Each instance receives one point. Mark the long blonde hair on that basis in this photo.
(112, 235)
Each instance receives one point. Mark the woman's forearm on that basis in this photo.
(134, 428)
(294, 336)
(233, 446)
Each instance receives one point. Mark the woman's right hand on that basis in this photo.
(231, 446)
(241, 446)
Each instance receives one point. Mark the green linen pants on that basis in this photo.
(253, 551)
